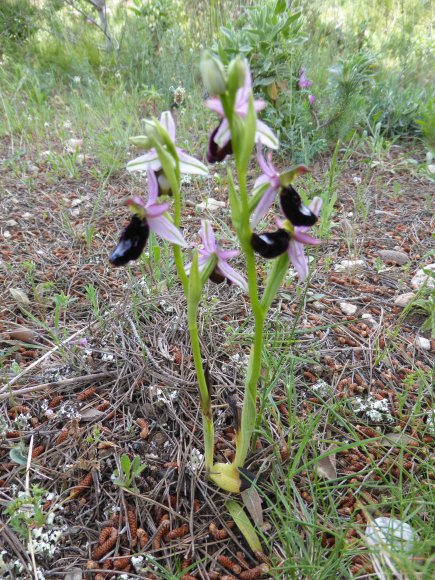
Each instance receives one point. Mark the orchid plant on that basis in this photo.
(238, 132)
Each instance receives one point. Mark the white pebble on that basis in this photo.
(346, 265)
(348, 308)
(404, 299)
(421, 278)
(423, 343)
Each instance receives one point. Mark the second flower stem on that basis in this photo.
(207, 418)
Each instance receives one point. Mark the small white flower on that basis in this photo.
(137, 562)
(77, 80)
(321, 388)
(196, 461)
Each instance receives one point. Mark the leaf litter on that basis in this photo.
(135, 358)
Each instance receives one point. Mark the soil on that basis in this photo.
(85, 385)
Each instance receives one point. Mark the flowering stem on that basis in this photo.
(192, 312)
(207, 418)
(248, 417)
(178, 256)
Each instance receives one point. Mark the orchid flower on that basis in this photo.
(288, 238)
(223, 271)
(299, 238)
(275, 180)
(304, 82)
(270, 175)
(150, 159)
(220, 139)
(148, 216)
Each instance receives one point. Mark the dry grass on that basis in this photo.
(137, 361)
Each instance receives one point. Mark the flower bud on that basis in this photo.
(236, 74)
(287, 177)
(141, 141)
(151, 130)
(213, 74)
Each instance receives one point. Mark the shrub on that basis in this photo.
(18, 23)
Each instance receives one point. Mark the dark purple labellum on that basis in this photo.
(294, 210)
(217, 277)
(163, 184)
(216, 153)
(271, 244)
(131, 243)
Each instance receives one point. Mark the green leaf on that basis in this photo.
(234, 202)
(125, 464)
(135, 465)
(274, 280)
(244, 525)
(195, 285)
(18, 455)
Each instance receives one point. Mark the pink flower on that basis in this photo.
(303, 82)
(211, 248)
(150, 159)
(299, 238)
(220, 139)
(270, 175)
(275, 180)
(311, 100)
(148, 217)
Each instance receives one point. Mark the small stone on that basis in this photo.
(31, 168)
(11, 223)
(420, 278)
(318, 305)
(7, 234)
(394, 256)
(74, 574)
(346, 265)
(211, 204)
(348, 308)
(404, 299)
(369, 319)
(423, 343)
(398, 536)
(27, 215)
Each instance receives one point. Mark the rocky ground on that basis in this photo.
(96, 363)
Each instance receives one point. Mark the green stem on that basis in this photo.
(249, 408)
(178, 256)
(207, 418)
(192, 311)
